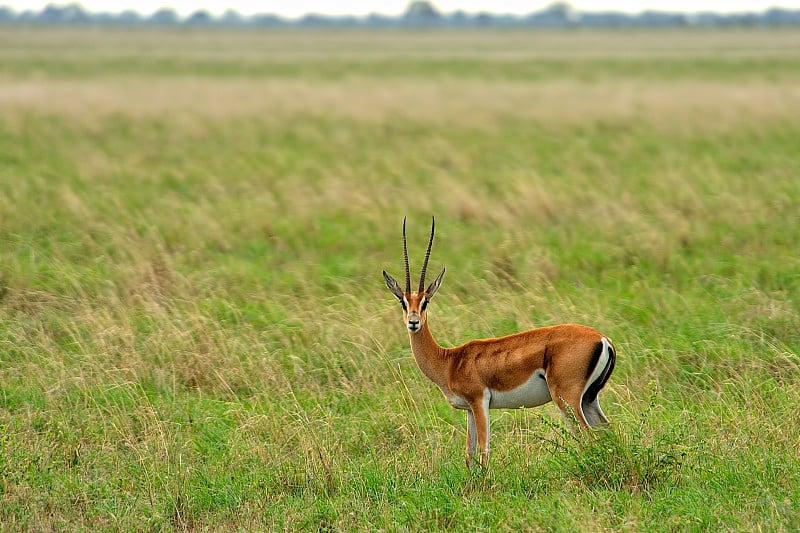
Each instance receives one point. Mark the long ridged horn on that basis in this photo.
(405, 257)
(427, 255)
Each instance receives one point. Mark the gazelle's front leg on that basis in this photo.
(472, 438)
(480, 414)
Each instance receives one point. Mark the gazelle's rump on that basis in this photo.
(602, 371)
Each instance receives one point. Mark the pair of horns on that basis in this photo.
(424, 263)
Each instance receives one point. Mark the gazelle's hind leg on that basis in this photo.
(569, 402)
(594, 415)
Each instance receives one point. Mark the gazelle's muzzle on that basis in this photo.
(413, 322)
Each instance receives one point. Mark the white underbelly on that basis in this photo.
(530, 394)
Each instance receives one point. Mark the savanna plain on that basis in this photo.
(195, 334)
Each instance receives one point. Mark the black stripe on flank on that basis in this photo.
(599, 383)
(598, 351)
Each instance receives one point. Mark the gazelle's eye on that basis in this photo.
(423, 305)
(404, 304)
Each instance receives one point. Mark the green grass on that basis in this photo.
(194, 332)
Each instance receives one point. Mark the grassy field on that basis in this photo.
(194, 331)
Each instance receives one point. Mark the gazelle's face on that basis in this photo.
(415, 306)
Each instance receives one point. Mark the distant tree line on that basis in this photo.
(418, 14)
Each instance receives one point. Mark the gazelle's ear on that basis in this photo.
(392, 285)
(433, 287)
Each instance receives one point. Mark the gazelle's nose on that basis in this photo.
(413, 322)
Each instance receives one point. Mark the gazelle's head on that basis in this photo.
(414, 304)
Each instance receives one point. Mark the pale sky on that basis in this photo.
(297, 8)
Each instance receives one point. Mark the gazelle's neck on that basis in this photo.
(429, 355)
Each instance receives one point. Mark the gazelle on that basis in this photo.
(568, 364)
